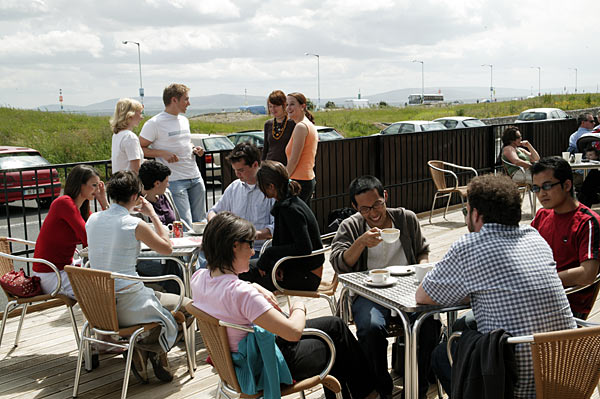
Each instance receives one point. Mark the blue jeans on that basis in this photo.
(189, 197)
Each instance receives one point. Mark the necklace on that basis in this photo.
(278, 128)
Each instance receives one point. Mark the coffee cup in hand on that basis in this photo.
(390, 235)
(379, 276)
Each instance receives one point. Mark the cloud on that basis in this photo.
(51, 43)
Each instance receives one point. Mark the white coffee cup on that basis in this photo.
(198, 227)
(390, 235)
(379, 276)
(566, 156)
(578, 157)
(422, 269)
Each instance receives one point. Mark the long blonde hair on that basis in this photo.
(125, 109)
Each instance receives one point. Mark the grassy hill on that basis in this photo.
(65, 137)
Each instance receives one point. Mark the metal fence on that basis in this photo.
(399, 161)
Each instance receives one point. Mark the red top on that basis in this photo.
(574, 238)
(62, 229)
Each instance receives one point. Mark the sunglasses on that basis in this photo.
(546, 186)
(250, 242)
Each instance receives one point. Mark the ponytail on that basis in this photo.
(309, 116)
(294, 187)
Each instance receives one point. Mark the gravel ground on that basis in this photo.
(226, 117)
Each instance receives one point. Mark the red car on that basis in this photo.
(33, 184)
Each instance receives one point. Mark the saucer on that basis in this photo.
(390, 281)
(193, 233)
(401, 270)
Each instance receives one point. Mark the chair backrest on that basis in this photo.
(95, 293)
(6, 265)
(438, 177)
(217, 343)
(566, 364)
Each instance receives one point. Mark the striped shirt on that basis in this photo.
(510, 276)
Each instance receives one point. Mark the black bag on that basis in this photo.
(337, 216)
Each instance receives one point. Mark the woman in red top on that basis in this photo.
(64, 226)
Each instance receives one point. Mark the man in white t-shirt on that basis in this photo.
(167, 138)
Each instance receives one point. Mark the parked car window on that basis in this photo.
(21, 160)
(473, 123)
(432, 126)
(554, 115)
(532, 116)
(562, 114)
(217, 143)
(450, 124)
(406, 128)
(392, 129)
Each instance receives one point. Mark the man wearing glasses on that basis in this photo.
(586, 124)
(358, 246)
(571, 229)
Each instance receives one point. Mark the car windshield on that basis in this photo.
(473, 123)
(532, 116)
(18, 160)
(217, 143)
(329, 134)
(432, 126)
(449, 123)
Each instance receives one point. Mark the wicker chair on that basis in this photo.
(214, 336)
(326, 290)
(524, 187)
(14, 302)
(566, 363)
(95, 292)
(438, 174)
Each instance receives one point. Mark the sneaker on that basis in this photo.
(160, 364)
(138, 365)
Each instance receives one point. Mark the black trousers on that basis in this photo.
(307, 190)
(293, 278)
(308, 357)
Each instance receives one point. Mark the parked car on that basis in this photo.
(42, 185)
(412, 127)
(541, 114)
(210, 143)
(257, 137)
(459, 122)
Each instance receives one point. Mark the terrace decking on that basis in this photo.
(43, 365)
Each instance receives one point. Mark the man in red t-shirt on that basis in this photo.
(571, 229)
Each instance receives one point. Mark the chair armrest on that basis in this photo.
(513, 165)
(179, 262)
(329, 342)
(584, 323)
(155, 279)
(285, 258)
(328, 236)
(524, 339)
(266, 245)
(462, 167)
(577, 288)
(21, 241)
(37, 260)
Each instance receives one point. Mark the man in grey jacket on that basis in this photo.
(358, 246)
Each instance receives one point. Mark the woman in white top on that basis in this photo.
(126, 150)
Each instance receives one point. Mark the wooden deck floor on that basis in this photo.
(43, 365)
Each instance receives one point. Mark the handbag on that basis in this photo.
(18, 284)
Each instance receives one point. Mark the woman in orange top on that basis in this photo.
(302, 147)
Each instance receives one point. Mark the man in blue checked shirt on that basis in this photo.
(243, 196)
(506, 271)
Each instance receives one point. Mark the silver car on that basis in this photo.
(412, 127)
(459, 122)
(210, 143)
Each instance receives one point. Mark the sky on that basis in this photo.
(231, 46)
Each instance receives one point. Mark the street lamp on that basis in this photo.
(539, 79)
(575, 79)
(318, 80)
(491, 80)
(140, 65)
(422, 80)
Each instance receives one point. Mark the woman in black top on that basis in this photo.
(277, 130)
(296, 233)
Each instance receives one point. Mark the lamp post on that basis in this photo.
(575, 69)
(422, 80)
(318, 80)
(539, 79)
(491, 80)
(140, 65)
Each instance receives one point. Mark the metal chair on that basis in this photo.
(566, 363)
(524, 187)
(95, 292)
(14, 302)
(438, 174)
(214, 336)
(577, 288)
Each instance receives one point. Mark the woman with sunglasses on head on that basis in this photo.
(296, 233)
(302, 147)
(64, 226)
(278, 130)
(227, 244)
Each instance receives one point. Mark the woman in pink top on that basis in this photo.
(228, 246)
(302, 147)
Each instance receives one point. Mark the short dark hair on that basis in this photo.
(273, 172)
(496, 198)
(277, 97)
(509, 135)
(152, 171)
(77, 177)
(176, 90)
(363, 184)
(245, 151)
(561, 169)
(122, 185)
(584, 117)
(220, 234)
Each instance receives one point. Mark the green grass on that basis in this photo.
(65, 137)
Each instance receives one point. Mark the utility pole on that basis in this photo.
(491, 80)
(422, 80)
(140, 66)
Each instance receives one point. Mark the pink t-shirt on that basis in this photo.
(229, 299)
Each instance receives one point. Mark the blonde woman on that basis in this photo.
(302, 147)
(126, 150)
